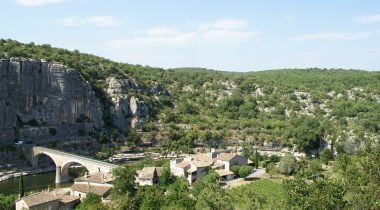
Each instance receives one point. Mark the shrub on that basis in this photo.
(326, 155)
(288, 164)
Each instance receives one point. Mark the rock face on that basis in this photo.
(127, 110)
(44, 101)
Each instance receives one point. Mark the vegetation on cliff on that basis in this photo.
(302, 107)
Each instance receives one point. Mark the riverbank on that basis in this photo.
(14, 174)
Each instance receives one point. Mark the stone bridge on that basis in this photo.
(64, 160)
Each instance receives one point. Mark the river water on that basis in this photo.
(35, 182)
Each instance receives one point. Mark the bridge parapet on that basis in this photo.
(63, 160)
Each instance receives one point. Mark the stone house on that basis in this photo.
(47, 200)
(148, 176)
(227, 160)
(196, 166)
(99, 183)
(192, 167)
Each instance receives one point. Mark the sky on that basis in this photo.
(231, 35)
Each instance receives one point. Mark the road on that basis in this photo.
(241, 181)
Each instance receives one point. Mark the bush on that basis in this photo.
(244, 171)
(326, 155)
(241, 171)
(272, 169)
(288, 164)
(7, 202)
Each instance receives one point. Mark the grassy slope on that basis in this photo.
(273, 191)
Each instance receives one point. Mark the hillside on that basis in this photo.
(177, 107)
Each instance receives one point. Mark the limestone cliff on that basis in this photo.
(127, 109)
(43, 101)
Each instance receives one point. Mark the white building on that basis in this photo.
(148, 176)
(196, 166)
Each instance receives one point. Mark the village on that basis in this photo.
(191, 167)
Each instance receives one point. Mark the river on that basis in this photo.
(35, 182)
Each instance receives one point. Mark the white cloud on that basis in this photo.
(227, 35)
(230, 24)
(367, 19)
(225, 24)
(100, 21)
(223, 31)
(178, 39)
(32, 3)
(331, 36)
(162, 31)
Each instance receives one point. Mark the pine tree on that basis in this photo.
(21, 186)
(256, 159)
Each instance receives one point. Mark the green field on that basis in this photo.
(272, 191)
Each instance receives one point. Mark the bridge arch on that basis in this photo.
(65, 170)
(43, 157)
(63, 160)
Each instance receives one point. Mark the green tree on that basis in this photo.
(177, 195)
(315, 166)
(7, 202)
(326, 155)
(256, 159)
(21, 189)
(92, 202)
(166, 177)
(288, 164)
(306, 132)
(213, 197)
(124, 180)
(244, 171)
(151, 197)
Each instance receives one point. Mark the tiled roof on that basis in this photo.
(202, 160)
(99, 177)
(148, 173)
(224, 172)
(183, 164)
(225, 156)
(85, 188)
(45, 197)
(217, 165)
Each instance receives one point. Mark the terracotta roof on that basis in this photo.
(202, 160)
(68, 198)
(224, 172)
(217, 165)
(99, 177)
(225, 156)
(148, 173)
(85, 188)
(46, 197)
(183, 164)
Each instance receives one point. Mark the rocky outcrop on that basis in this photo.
(128, 110)
(43, 101)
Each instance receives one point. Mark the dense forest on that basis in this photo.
(306, 108)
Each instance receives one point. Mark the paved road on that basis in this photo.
(257, 173)
(236, 182)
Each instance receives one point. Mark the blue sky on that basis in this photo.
(234, 35)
